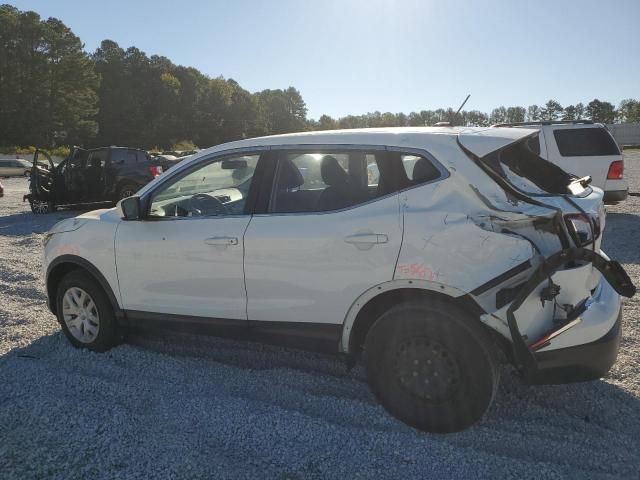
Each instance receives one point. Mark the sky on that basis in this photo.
(358, 56)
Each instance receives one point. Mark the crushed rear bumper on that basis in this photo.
(580, 363)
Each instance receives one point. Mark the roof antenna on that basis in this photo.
(449, 124)
(465, 101)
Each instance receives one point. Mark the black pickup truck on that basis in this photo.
(89, 177)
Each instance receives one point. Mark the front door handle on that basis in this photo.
(221, 241)
(366, 238)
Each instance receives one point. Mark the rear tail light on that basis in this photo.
(155, 170)
(616, 170)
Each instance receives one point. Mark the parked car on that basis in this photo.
(89, 177)
(583, 148)
(466, 249)
(14, 167)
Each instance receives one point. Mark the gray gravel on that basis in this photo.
(181, 406)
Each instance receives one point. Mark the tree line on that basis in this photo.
(53, 92)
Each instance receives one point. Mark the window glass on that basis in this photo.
(419, 169)
(533, 144)
(217, 188)
(120, 156)
(97, 158)
(323, 181)
(583, 142)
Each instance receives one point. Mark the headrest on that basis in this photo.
(332, 172)
(290, 176)
(423, 171)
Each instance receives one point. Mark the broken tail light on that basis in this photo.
(155, 170)
(616, 170)
(580, 227)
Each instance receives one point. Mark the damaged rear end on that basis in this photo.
(560, 308)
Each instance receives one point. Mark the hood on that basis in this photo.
(483, 142)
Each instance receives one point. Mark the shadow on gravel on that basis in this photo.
(20, 224)
(621, 239)
(244, 398)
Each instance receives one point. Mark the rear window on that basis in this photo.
(585, 142)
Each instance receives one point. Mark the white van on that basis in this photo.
(583, 148)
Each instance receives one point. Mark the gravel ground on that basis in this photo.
(180, 406)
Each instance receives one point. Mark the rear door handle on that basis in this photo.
(221, 241)
(366, 238)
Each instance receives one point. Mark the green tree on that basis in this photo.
(533, 113)
(569, 113)
(603, 112)
(552, 110)
(628, 111)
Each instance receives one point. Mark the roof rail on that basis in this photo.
(545, 122)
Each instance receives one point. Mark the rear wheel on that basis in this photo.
(41, 207)
(431, 366)
(85, 313)
(127, 190)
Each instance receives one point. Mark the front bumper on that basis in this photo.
(615, 196)
(580, 363)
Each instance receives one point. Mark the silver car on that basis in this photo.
(14, 167)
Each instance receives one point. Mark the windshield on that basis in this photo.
(527, 171)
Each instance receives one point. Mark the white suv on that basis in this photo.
(583, 148)
(464, 247)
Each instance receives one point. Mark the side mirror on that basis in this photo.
(130, 208)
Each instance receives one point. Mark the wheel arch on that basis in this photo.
(64, 264)
(372, 303)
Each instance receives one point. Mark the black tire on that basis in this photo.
(431, 366)
(127, 190)
(41, 207)
(108, 334)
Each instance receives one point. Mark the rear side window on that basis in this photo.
(121, 155)
(332, 180)
(585, 142)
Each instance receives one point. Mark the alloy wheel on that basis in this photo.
(40, 207)
(80, 315)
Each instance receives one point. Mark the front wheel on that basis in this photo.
(85, 313)
(431, 366)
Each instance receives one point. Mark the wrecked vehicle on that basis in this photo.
(463, 250)
(88, 177)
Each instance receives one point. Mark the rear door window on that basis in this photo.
(322, 181)
(585, 142)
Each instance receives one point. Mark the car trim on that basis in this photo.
(323, 337)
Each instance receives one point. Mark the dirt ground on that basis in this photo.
(181, 406)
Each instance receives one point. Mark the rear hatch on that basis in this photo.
(563, 217)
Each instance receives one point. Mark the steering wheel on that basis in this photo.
(203, 204)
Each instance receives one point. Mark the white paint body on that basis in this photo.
(439, 236)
